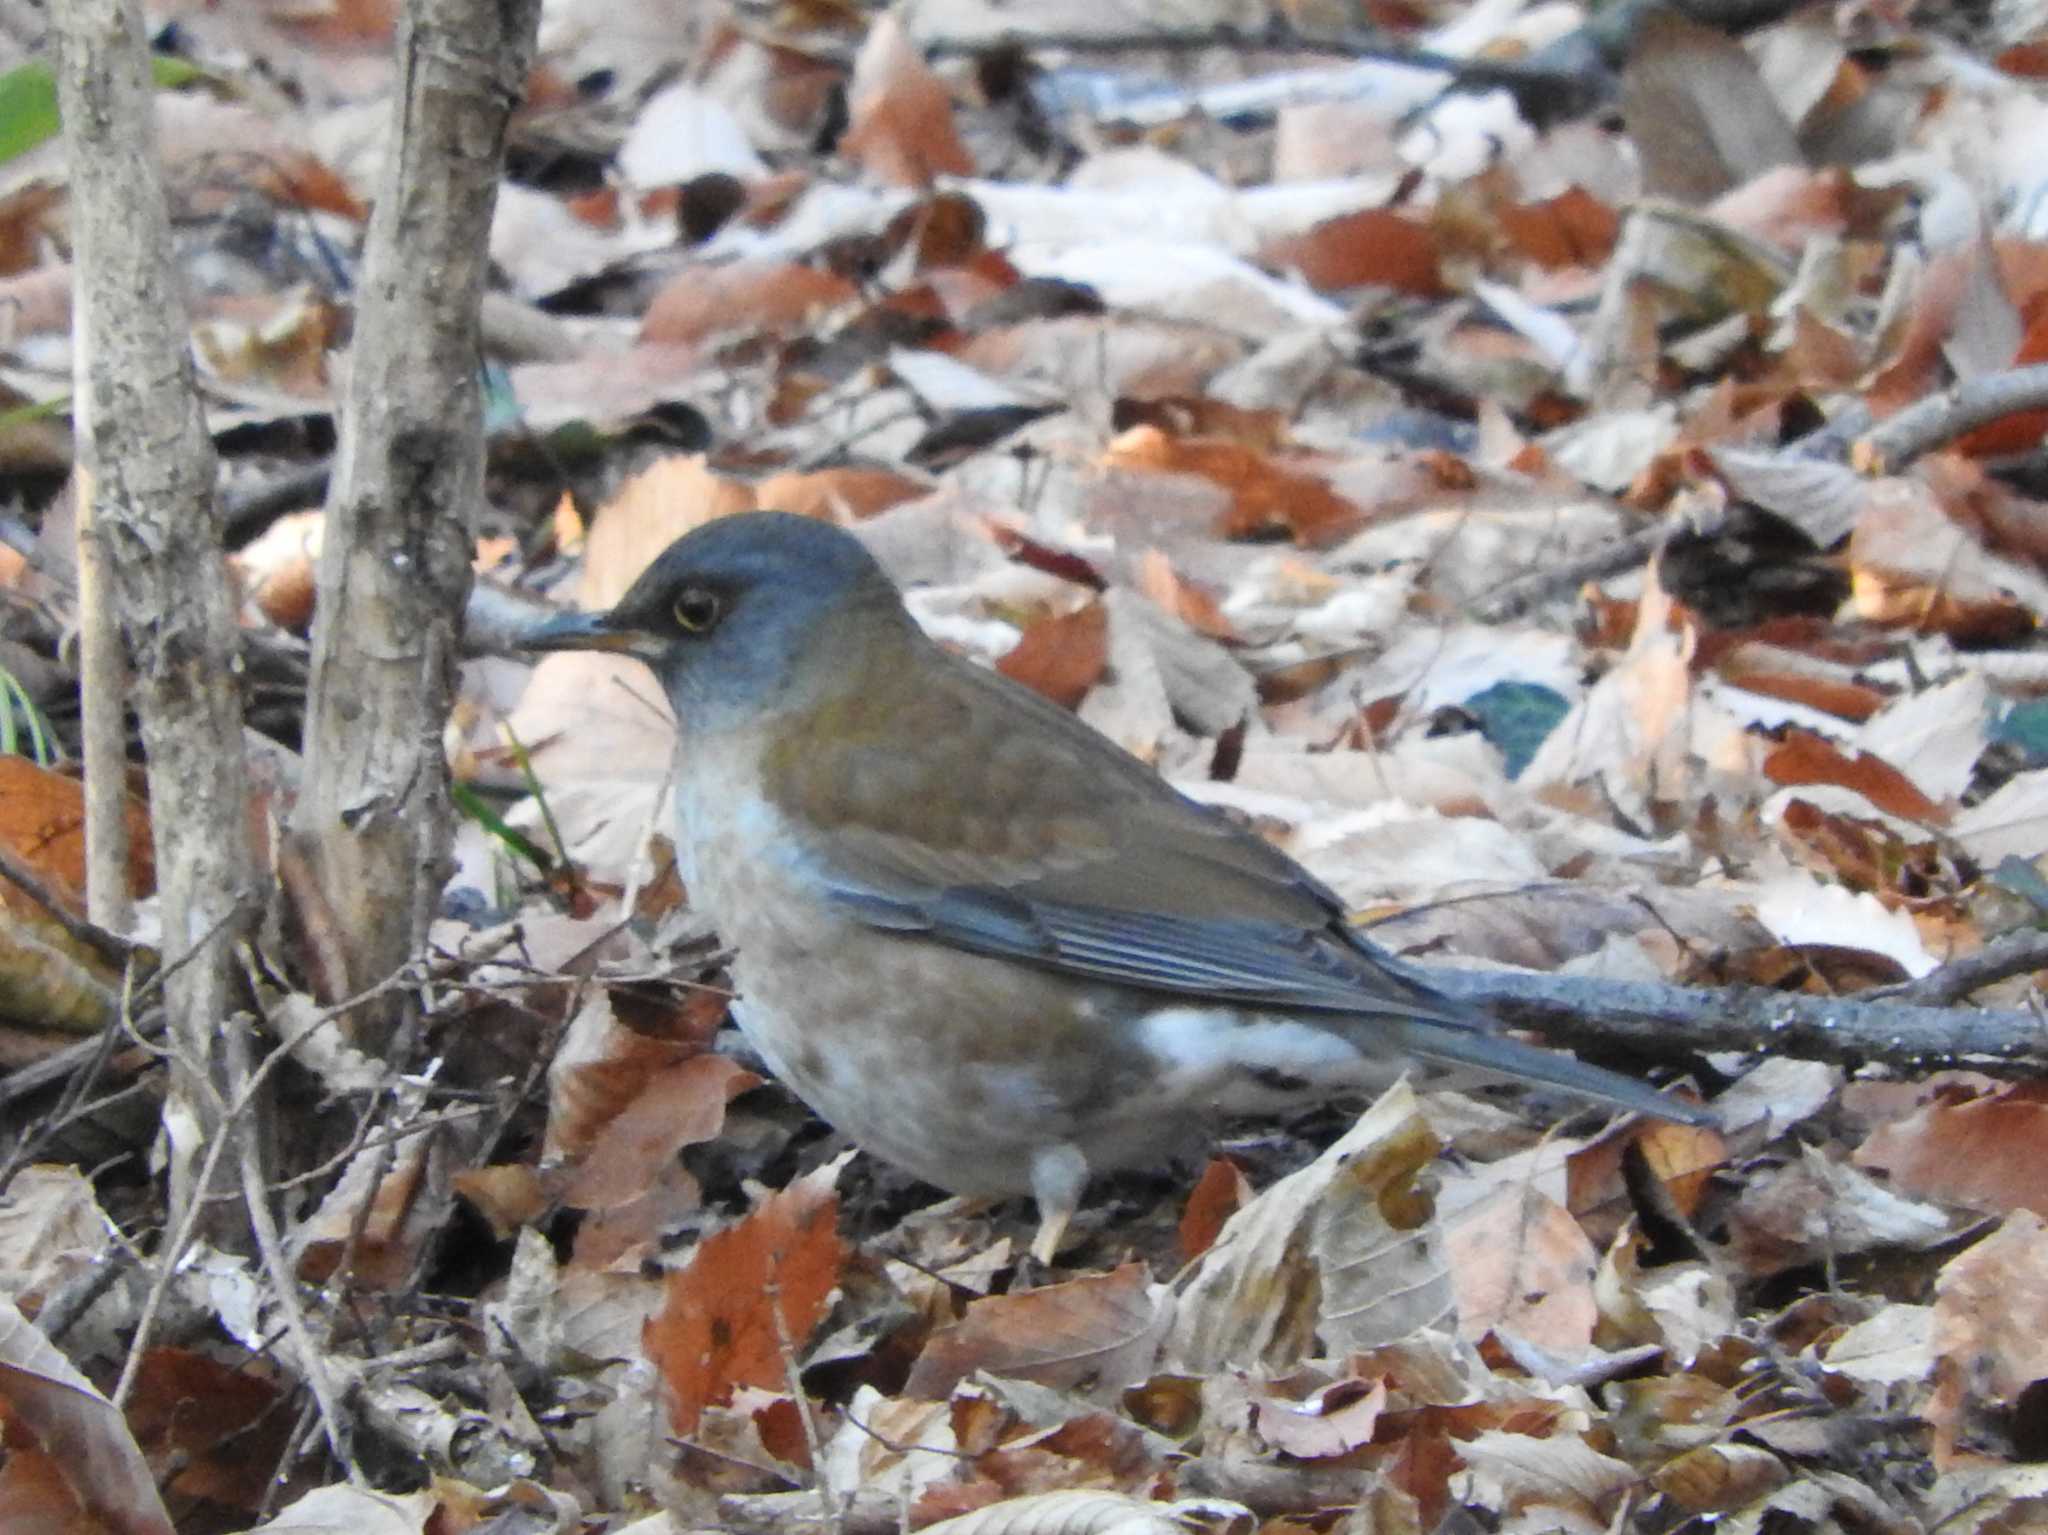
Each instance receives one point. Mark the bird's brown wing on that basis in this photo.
(973, 811)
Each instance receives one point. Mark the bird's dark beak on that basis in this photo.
(591, 631)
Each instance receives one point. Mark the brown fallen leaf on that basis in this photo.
(1984, 1152)
(749, 1298)
(1990, 1336)
(1094, 1335)
(1061, 655)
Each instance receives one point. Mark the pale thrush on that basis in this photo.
(974, 935)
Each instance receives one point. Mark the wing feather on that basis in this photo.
(1015, 830)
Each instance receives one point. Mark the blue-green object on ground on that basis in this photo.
(1517, 717)
(2025, 725)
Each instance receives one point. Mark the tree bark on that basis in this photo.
(143, 442)
(373, 816)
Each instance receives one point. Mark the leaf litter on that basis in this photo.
(1286, 423)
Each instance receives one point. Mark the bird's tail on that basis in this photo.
(1464, 1044)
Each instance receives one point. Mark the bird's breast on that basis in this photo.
(954, 1066)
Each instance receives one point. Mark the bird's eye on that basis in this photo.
(697, 608)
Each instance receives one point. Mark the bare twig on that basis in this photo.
(1514, 75)
(813, 1441)
(109, 945)
(102, 693)
(173, 1251)
(1941, 418)
(1513, 598)
(270, 1248)
(1999, 960)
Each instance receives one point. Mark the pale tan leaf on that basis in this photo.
(1345, 1253)
(1079, 1512)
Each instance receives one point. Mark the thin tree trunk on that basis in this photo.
(145, 448)
(372, 818)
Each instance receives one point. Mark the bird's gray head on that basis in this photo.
(745, 616)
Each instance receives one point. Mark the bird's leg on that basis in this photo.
(1059, 1176)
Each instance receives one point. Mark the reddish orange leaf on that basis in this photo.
(1805, 758)
(750, 1297)
(1061, 655)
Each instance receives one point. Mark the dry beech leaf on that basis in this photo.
(1801, 757)
(1595, 1187)
(82, 1433)
(1094, 1335)
(679, 1105)
(1218, 1194)
(1374, 247)
(705, 303)
(1987, 1500)
(217, 1423)
(1266, 496)
(406, 1207)
(1894, 1347)
(1913, 565)
(51, 1229)
(901, 119)
(750, 1298)
(1559, 1472)
(48, 979)
(1984, 1153)
(1573, 229)
(2012, 823)
(1819, 1210)
(1806, 913)
(598, 1070)
(1990, 1327)
(848, 492)
(347, 1510)
(1633, 731)
(1766, 670)
(1699, 113)
(1083, 1512)
(1934, 736)
(1346, 1253)
(1522, 1265)
(1191, 604)
(1336, 1422)
(42, 824)
(1061, 655)
(1719, 1478)
(1683, 1308)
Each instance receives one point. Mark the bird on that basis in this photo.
(972, 933)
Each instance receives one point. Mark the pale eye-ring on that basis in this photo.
(696, 609)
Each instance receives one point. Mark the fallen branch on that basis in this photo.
(1553, 583)
(1662, 1023)
(1999, 960)
(1568, 78)
(1941, 418)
